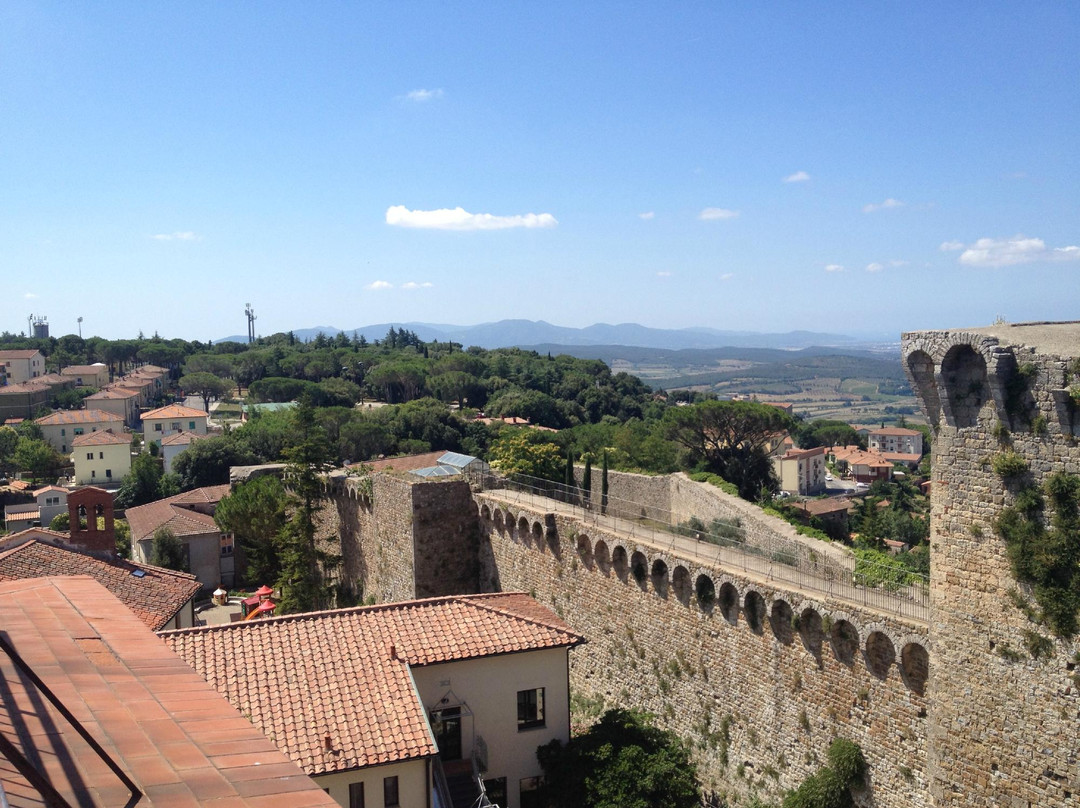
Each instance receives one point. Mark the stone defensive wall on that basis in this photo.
(759, 678)
(1004, 705)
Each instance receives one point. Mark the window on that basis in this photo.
(100, 455)
(496, 790)
(108, 474)
(390, 791)
(356, 795)
(89, 455)
(175, 426)
(530, 708)
(157, 427)
(226, 544)
(529, 790)
(190, 424)
(63, 432)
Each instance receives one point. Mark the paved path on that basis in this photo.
(827, 578)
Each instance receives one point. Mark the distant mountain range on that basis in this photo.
(535, 333)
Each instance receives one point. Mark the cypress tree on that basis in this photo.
(586, 480)
(603, 483)
(569, 477)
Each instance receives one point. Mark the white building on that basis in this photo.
(170, 420)
(22, 366)
(63, 426)
(801, 471)
(101, 458)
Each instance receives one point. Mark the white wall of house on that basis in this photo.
(897, 444)
(127, 407)
(96, 465)
(154, 429)
(490, 687)
(413, 784)
(23, 369)
(60, 436)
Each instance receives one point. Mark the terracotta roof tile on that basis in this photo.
(177, 513)
(174, 411)
(19, 354)
(180, 438)
(349, 669)
(155, 597)
(78, 417)
(135, 698)
(112, 393)
(102, 437)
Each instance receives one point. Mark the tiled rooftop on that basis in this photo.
(174, 411)
(165, 729)
(78, 417)
(177, 513)
(346, 673)
(101, 438)
(155, 596)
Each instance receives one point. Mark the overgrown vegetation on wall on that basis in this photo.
(1046, 559)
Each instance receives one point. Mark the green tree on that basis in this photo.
(206, 385)
(254, 512)
(37, 457)
(9, 439)
(586, 482)
(604, 483)
(142, 484)
(729, 438)
(207, 461)
(304, 563)
(622, 761)
(523, 451)
(166, 550)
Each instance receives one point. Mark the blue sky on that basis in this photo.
(853, 167)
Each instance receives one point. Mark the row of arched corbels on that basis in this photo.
(719, 595)
(955, 373)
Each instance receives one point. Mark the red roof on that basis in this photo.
(19, 353)
(78, 417)
(173, 411)
(349, 669)
(155, 596)
(896, 431)
(178, 513)
(165, 728)
(103, 437)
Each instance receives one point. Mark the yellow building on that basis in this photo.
(101, 457)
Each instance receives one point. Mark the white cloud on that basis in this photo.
(888, 203)
(949, 246)
(727, 276)
(712, 214)
(898, 263)
(663, 274)
(647, 215)
(376, 286)
(185, 235)
(460, 219)
(834, 267)
(410, 285)
(29, 296)
(1005, 252)
(798, 176)
(874, 267)
(422, 96)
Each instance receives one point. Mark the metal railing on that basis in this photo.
(729, 545)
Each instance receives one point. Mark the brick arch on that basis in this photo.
(781, 618)
(754, 610)
(844, 638)
(658, 575)
(879, 654)
(551, 536)
(915, 666)
(680, 584)
(523, 530)
(602, 556)
(485, 513)
(620, 562)
(639, 568)
(705, 593)
(497, 520)
(965, 380)
(728, 601)
(537, 534)
(585, 550)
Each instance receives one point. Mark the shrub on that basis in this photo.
(1009, 465)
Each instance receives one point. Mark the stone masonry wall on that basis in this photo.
(445, 538)
(1003, 726)
(758, 679)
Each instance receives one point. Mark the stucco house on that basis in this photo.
(863, 466)
(424, 693)
(897, 444)
(23, 400)
(60, 428)
(190, 517)
(95, 375)
(174, 444)
(101, 457)
(801, 471)
(22, 365)
(117, 400)
(170, 420)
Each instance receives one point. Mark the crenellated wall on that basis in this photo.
(1003, 725)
